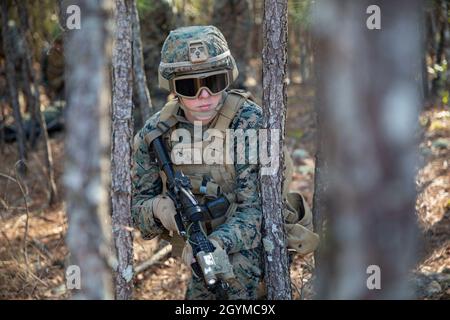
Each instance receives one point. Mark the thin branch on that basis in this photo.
(161, 254)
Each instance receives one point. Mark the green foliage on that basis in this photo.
(144, 6)
(295, 133)
(201, 10)
(42, 21)
(194, 12)
(442, 70)
(445, 97)
(299, 12)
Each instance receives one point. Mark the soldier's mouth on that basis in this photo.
(205, 107)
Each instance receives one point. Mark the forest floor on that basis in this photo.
(33, 254)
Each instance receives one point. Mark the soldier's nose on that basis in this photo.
(204, 93)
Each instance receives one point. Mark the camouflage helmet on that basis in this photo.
(194, 49)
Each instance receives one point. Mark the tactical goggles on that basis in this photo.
(189, 86)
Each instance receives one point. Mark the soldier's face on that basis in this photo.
(201, 108)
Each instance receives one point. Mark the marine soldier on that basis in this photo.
(198, 68)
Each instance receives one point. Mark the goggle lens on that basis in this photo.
(189, 87)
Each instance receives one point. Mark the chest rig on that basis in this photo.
(209, 180)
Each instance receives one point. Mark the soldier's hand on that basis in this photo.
(223, 268)
(164, 210)
(186, 256)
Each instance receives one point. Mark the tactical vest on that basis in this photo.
(212, 180)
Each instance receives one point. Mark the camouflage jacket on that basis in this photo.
(241, 230)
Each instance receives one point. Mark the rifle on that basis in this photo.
(188, 217)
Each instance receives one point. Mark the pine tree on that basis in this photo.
(368, 110)
(274, 61)
(122, 135)
(87, 146)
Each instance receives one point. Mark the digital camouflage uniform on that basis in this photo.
(240, 234)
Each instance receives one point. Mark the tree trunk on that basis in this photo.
(320, 184)
(446, 8)
(368, 123)
(35, 98)
(256, 38)
(441, 45)
(140, 80)
(2, 126)
(11, 79)
(122, 135)
(87, 145)
(274, 58)
(30, 129)
(62, 14)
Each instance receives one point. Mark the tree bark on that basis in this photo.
(11, 79)
(446, 8)
(436, 84)
(87, 145)
(140, 79)
(35, 98)
(368, 118)
(319, 205)
(122, 135)
(2, 126)
(274, 58)
(62, 14)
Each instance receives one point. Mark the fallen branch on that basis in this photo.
(161, 254)
(42, 248)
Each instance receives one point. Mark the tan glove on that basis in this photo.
(301, 239)
(186, 256)
(164, 210)
(224, 269)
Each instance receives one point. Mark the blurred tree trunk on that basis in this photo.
(11, 79)
(62, 13)
(368, 120)
(122, 135)
(144, 102)
(31, 128)
(25, 84)
(256, 38)
(321, 178)
(86, 174)
(436, 84)
(446, 35)
(35, 100)
(274, 59)
(2, 126)
(424, 74)
(437, 45)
